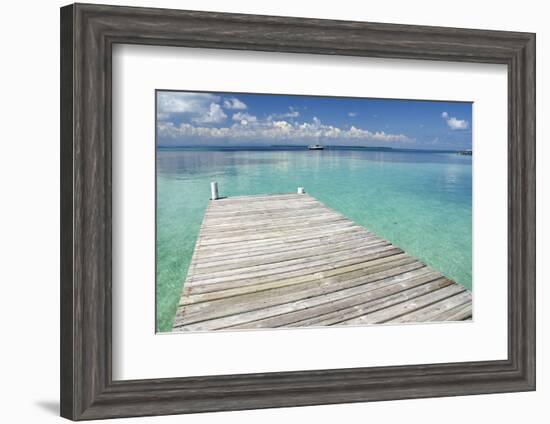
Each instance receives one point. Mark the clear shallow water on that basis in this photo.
(421, 202)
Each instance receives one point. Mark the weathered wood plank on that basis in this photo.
(273, 204)
(384, 267)
(435, 309)
(258, 197)
(283, 238)
(458, 313)
(320, 270)
(285, 291)
(273, 234)
(236, 218)
(286, 266)
(268, 261)
(213, 255)
(211, 267)
(249, 199)
(319, 304)
(269, 226)
(272, 221)
(253, 197)
(348, 313)
(280, 208)
(240, 256)
(412, 302)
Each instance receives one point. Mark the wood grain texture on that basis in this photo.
(88, 33)
(312, 293)
(68, 401)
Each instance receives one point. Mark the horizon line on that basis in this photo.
(306, 145)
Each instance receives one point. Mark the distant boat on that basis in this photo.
(465, 152)
(315, 147)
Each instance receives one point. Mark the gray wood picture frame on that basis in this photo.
(88, 33)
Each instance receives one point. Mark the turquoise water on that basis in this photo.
(420, 201)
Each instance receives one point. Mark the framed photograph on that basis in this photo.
(264, 211)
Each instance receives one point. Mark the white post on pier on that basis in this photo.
(214, 190)
(301, 190)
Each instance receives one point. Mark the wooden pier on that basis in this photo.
(289, 261)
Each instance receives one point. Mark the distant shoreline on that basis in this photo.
(305, 148)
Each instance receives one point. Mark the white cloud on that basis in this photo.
(244, 118)
(201, 108)
(201, 111)
(352, 114)
(169, 102)
(292, 113)
(277, 130)
(162, 116)
(234, 103)
(214, 115)
(455, 123)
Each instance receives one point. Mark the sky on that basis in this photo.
(235, 119)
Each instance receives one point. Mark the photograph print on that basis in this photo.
(293, 211)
